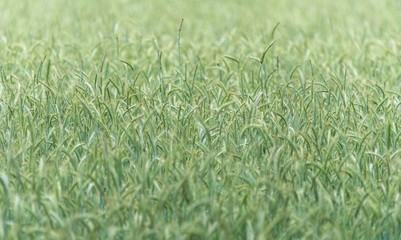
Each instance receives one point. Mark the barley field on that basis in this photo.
(200, 119)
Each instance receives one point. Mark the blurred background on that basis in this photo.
(328, 33)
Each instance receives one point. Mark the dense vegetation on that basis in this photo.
(200, 120)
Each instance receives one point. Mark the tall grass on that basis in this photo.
(171, 120)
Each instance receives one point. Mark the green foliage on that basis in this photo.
(188, 120)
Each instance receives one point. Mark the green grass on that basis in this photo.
(200, 120)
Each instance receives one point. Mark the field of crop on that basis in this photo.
(200, 119)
